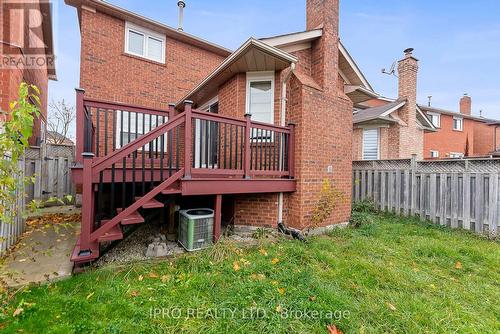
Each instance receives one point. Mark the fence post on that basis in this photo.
(187, 138)
(87, 204)
(248, 126)
(291, 151)
(80, 124)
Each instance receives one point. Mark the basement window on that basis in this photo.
(144, 43)
(434, 154)
(370, 144)
(457, 123)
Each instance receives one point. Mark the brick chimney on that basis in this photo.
(465, 105)
(410, 136)
(324, 14)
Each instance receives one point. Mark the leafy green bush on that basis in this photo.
(362, 213)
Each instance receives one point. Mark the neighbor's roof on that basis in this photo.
(253, 55)
(380, 112)
(383, 114)
(115, 11)
(453, 113)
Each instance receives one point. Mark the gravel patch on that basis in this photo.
(134, 247)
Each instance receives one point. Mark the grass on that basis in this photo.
(392, 276)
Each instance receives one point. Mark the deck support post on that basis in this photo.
(80, 124)
(87, 205)
(248, 128)
(291, 151)
(217, 217)
(187, 138)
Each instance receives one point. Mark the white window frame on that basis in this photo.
(456, 155)
(363, 143)
(147, 34)
(148, 126)
(198, 143)
(434, 154)
(438, 116)
(256, 77)
(455, 118)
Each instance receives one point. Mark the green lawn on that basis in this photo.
(393, 276)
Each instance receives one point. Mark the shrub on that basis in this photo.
(362, 213)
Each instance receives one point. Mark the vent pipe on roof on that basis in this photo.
(429, 98)
(181, 4)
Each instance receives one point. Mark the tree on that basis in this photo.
(61, 115)
(14, 136)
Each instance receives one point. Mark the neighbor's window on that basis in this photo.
(434, 154)
(435, 119)
(456, 155)
(457, 123)
(370, 144)
(132, 125)
(144, 43)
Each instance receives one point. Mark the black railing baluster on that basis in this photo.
(170, 152)
(177, 148)
(236, 148)
(219, 142)
(143, 153)
(225, 145)
(242, 148)
(97, 134)
(207, 139)
(230, 146)
(274, 150)
(261, 147)
(112, 199)
(105, 132)
(162, 144)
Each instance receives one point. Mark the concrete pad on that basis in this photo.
(43, 252)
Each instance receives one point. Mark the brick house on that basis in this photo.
(460, 134)
(20, 42)
(165, 118)
(392, 129)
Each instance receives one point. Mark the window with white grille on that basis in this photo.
(370, 144)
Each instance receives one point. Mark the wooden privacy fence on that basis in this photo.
(461, 193)
(10, 232)
(51, 166)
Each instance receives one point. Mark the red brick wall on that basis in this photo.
(256, 210)
(107, 72)
(447, 140)
(10, 79)
(484, 138)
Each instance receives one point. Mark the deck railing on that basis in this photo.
(213, 145)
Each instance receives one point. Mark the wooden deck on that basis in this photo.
(129, 157)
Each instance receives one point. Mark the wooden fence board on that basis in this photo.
(450, 193)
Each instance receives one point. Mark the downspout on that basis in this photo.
(282, 123)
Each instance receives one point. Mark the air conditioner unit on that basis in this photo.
(196, 228)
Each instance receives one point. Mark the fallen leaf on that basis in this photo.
(391, 307)
(279, 309)
(18, 311)
(165, 278)
(90, 295)
(275, 260)
(312, 298)
(153, 275)
(263, 251)
(458, 265)
(140, 278)
(134, 293)
(274, 282)
(281, 291)
(236, 266)
(22, 260)
(332, 329)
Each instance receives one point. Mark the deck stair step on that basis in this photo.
(134, 218)
(170, 191)
(77, 257)
(151, 204)
(114, 234)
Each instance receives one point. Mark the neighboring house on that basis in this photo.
(26, 54)
(392, 129)
(268, 123)
(459, 134)
(54, 137)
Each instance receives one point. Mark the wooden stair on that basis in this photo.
(134, 218)
(78, 258)
(151, 204)
(115, 234)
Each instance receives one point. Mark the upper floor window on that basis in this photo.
(144, 43)
(434, 154)
(457, 123)
(260, 96)
(370, 144)
(435, 119)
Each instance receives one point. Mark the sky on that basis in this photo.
(457, 42)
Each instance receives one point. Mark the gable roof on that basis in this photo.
(253, 55)
(383, 113)
(350, 71)
(457, 114)
(126, 15)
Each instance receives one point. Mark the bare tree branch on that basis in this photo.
(61, 115)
